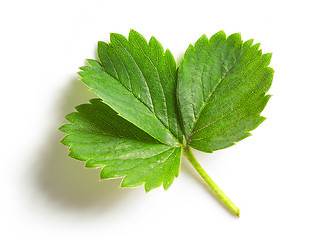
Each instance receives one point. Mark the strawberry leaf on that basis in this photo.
(222, 85)
(98, 135)
(150, 112)
(138, 80)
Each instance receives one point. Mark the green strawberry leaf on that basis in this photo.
(222, 85)
(138, 80)
(98, 135)
(150, 112)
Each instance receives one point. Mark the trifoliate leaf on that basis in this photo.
(149, 113)
(97, 134)
(221, 90)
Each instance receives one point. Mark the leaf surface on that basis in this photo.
(98, 135)
(138, 80)
(222, 85)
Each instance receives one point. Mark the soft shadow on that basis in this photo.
(189, 170)
(65, 181)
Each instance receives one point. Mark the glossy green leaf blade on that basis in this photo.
(150, 171)
(98, 135)
(221, 90)
(124, 102)
(146, 71)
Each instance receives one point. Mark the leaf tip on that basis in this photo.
(101, 44)
(62, 128)
(166, 185)
(221, 33)
(65, 141)
(80, 73)
(262, 119)
(116, 37)
(133, 34)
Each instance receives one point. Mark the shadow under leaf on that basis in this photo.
(65, 181)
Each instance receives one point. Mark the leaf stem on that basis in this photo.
(222, 196)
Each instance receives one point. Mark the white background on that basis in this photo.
(271, 176)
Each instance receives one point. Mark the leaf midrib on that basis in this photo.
(211, 94)
(146, 85)
(193, 132)
(159, 79)
(197, 139)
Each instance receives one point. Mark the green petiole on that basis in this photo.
(222, 196)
